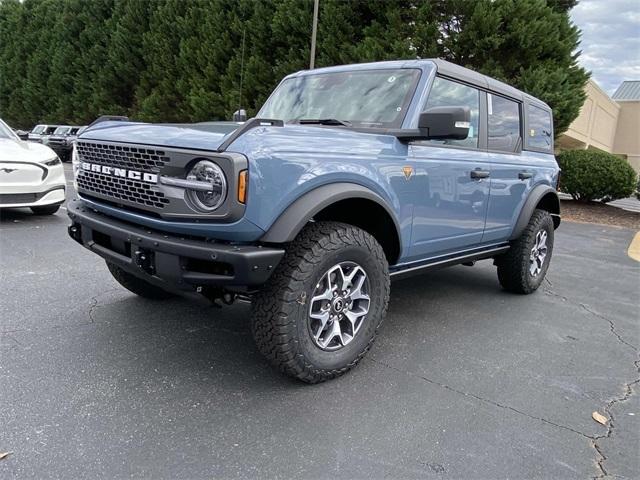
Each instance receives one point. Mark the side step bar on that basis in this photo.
(447, 261)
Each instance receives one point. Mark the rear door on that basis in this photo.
(512, 173)
(452, 177)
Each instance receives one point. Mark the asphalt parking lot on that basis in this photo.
(465, 380)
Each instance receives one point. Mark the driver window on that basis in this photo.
(445, 93)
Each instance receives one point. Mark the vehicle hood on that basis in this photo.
(21, 151)
(209, 136)
(197, 136)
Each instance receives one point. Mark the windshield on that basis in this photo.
(364, 98)
(38, 129)
(6, 132)
(62, 130)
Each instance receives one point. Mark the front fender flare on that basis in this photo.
(530, 205)
(298, 214)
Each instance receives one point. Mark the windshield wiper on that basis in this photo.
(324, 121)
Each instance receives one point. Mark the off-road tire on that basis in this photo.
(137, 285)
(513, 267)
(45, 210)
(280, 310)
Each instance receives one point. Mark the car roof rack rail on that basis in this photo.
(248, 125)
(108, 118)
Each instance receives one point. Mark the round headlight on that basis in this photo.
(207, 172)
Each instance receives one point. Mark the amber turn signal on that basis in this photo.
(242, 186)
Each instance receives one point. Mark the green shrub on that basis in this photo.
(589, 175)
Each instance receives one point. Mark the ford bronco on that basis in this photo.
(347, 177)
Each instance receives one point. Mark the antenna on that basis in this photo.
(244, 32)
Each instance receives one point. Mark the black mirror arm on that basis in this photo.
(409, 134)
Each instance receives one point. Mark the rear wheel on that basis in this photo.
(319, 313)
(137, 285)
(46, 210)
(523, 268)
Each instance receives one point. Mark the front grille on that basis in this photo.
(138, 158)
(122, 189)
(121, 156)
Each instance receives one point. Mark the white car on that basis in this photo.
(31, 175)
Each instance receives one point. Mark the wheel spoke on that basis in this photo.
(356, 293)
(326, 295)
(354, 315)
(323, 318)
(332, 332)
(338, 281)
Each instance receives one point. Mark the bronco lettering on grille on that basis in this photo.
(120, 172)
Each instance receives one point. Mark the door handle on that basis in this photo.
(525, 175)
(479, 174)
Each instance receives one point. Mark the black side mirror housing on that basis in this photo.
(445, 123)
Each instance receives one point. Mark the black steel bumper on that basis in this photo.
(168, 260)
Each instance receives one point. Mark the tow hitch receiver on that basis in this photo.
(144, 259)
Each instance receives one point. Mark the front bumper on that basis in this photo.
(29, 184)
(169, 261)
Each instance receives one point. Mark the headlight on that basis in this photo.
(207, 172)
(54, 161)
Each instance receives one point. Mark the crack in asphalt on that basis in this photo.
(612, 326)
(478, 397)
(628, 392)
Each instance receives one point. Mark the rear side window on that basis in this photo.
(540, 133)
(445, 93)
(504, 124)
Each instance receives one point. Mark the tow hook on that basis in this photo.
(144, 260)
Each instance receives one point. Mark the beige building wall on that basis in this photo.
(595, 126)
(627, 138)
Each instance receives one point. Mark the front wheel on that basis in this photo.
(523, 268)
(319, 313)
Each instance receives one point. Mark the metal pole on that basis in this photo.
(314, 32)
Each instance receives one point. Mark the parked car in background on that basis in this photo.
(348, 176)
(22, 134)
(62, 141)
(41, 133)
(31, 175)
(46, 135)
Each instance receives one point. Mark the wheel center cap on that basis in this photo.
(338, 304)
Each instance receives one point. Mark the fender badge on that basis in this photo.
(408, 171)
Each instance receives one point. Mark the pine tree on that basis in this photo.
(525, 43)
(157, 94)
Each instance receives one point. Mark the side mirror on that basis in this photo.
(240, 115)
(445, 123)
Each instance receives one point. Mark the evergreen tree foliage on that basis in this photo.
(69, 61)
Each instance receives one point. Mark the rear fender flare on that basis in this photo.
(530, 205)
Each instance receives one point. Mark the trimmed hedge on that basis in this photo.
(589, 175)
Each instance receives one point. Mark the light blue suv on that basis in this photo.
(347, 177)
